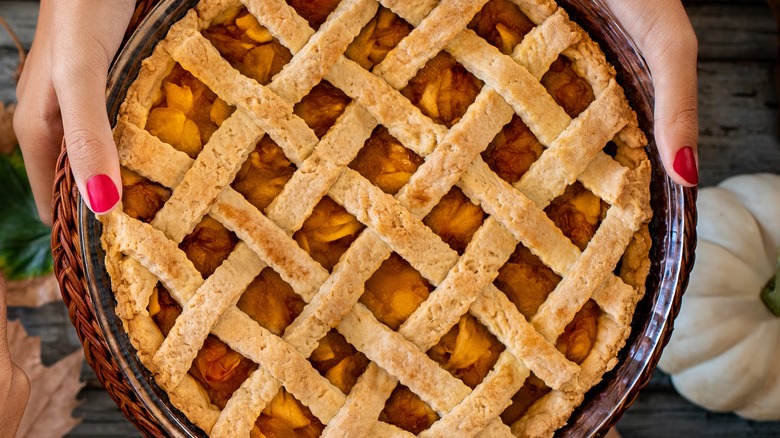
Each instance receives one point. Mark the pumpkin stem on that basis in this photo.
(770, 295)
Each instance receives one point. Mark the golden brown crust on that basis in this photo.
(138, 255)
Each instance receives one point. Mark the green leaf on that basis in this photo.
(25, 241)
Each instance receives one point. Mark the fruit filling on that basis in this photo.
(271, 302)
(406, 410)
(328, 232)
(455, 219)
(209, 244)
(377, 38)
(526, 281)
(443, 90)
(578, 213)
(322, 107)
(468, 351)
(394, 291)
(579, 336)
(502, 24)
(286, 417)
(532, 390)
(163, 309)
(249, 47)
(512, 151)
(141, 198)
(218, 369)
(314, 11)
(187, 112)
(338, 361)
(385, 162)
(567, 88)
(264, 174)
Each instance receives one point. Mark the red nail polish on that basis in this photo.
(685, 165)
(102, 193)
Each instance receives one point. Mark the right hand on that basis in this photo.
(14, 384)
(62, 92)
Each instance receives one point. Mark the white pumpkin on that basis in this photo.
(724, 353)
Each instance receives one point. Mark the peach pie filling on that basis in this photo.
(187, 114)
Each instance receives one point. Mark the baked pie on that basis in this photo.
(361, 218)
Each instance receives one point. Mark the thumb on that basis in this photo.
(665, 37)
(673, 64)
(88, 139)
(80, 58)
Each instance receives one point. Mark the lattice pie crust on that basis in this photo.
(610, 271)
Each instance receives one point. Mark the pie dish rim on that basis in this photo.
(139, 377)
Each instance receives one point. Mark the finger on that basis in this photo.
(665, 37)
(80, 83)
(37, 121)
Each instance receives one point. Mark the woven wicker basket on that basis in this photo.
(69, 269)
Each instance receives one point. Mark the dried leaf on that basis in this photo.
(53, 389)
(8, 139)
(33, 292)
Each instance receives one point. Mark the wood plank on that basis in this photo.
(729, 31)
(663, 413)
(738, 119)
(22, 17)
(101, 417)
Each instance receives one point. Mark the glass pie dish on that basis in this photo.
(671, 256)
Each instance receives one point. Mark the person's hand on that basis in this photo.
(664, 35)
(62, 92)
(14, 384)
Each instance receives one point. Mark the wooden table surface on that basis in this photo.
(739, 134)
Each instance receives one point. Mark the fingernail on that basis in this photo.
(685, 165)
(102, 193)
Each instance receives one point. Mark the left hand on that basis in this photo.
(62, 92)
